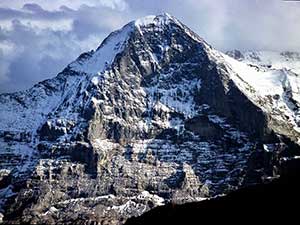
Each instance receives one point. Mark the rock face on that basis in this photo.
(264, 201)
(153, 115)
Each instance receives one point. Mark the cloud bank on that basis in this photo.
(38, 38)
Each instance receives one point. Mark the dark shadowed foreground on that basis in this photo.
(276, 202)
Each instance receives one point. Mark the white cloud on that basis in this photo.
(7, 52)
(73, 4)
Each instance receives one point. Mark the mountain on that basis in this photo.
(154, 115)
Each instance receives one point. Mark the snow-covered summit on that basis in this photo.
(95, 62)
(156, 20)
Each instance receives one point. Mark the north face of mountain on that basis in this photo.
(153, 115)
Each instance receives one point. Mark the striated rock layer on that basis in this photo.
(153, 115)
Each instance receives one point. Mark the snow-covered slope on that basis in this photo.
(153, 115)
(272, 81)
(269, 59)
(25, 111)
(95, 62)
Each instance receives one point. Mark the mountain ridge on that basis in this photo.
(165, 118)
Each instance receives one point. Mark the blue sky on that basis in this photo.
(38, 38)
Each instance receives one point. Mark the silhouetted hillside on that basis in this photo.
(275, 202)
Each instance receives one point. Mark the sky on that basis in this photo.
(38, 38)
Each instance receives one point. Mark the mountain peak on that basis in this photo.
(160, 19)
(152, 26)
